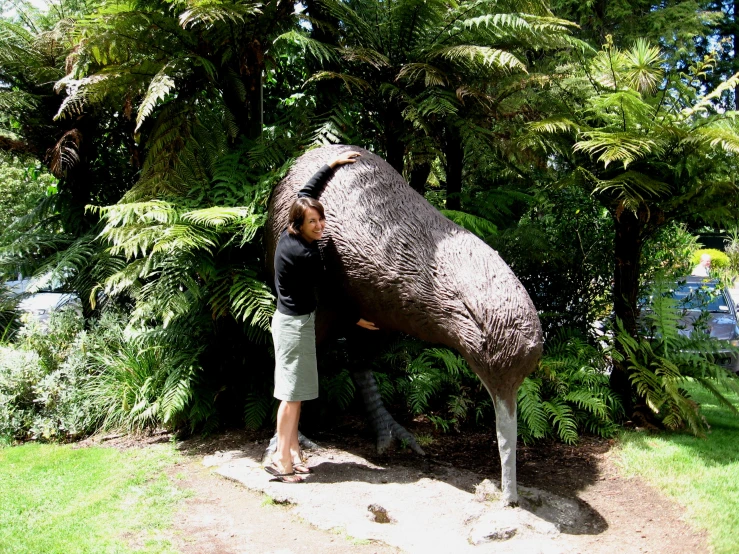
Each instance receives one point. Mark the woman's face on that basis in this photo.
(313, 224)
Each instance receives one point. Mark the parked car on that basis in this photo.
(40, 301)
(699, 295)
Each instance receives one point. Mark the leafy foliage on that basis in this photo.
(663, 359)
(42, 382)
(142, 382)
(173, 92)
(719, 260)
(418, 79)
(433, 382)
(650, 147)
(559, 250)
(568, 394)
(668, 253)
(23, 183)
(9, 317)
(166, 124)
(731, 249)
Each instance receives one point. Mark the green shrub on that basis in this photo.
(435, 382)
(9, 317)
(719, 260)
(669, 252)
(20, 371)
(731, 247)
(141, 380)
(23, 182)
(43, 380)
(568, 394)
(61, 382)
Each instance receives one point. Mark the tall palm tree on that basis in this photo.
(89, 154)
(650, 147)
(181, 83)
(421, 74)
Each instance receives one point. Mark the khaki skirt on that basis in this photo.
(296, 370)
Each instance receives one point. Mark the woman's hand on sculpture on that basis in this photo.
(367, 325)
(348, 157)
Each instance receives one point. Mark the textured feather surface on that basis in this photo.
(411, 269)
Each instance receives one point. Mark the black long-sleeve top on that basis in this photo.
(299, 268)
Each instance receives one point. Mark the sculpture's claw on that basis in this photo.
(397, 432)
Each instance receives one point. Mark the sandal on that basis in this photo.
(301, 469)
(274, 471)
(299, 466)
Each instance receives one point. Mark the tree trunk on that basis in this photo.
(246, 106)
(419, 175)
(454, 160)
(735, 37)
(255, 101)
(628, 241)
(254, 88)
(393, 133)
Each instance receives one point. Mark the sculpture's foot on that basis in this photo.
(303, 441)
(386, 428)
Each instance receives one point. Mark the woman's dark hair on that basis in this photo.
(297, 213)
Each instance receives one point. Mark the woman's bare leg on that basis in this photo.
(288, 416)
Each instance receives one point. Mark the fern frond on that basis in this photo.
(531, 410)
(159, 88)
(480, 226)
(318, 50)
(348, 80)
(473, 56)
(563, 420)
(210, 12)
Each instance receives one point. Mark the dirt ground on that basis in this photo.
(573, 499)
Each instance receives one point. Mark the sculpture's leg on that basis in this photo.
(385, 427)
(506, 427)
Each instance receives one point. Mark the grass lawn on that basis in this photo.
(701, 474)
(97, 500)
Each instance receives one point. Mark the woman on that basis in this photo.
(298, 267)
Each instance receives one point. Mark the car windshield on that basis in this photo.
(43, 284)
(703, 296)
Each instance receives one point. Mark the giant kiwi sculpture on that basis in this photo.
(410, 269)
